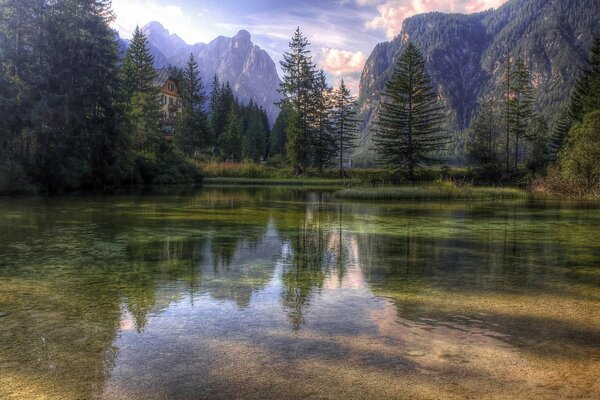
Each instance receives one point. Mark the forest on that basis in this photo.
(80, 115)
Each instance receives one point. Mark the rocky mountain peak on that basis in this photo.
(249, 70)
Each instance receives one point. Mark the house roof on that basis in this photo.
(162, 76)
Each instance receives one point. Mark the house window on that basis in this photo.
(171, 87)
(170, 101)
(163, 99)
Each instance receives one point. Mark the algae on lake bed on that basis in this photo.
(277, 293)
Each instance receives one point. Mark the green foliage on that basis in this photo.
(559, 134)
(439, 190)
(278, 134)
(409, 124)
(255, 138)
(520, 102)
(344, 123)
(297, 84)
(221, 101)
(231, 138)
(580, 159)
(192, 131)
(58, 63)
(537, 137)
(482, 144)
(322, 140)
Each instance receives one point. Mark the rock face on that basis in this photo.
(249, 70)
(466, 54)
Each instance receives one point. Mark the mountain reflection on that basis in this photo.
(78, 273)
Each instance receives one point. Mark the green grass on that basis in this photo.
(436, 191)
(278, 181)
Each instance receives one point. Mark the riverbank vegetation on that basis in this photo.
(79, 113)
(439, 190)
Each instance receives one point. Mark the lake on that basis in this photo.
(257, 293)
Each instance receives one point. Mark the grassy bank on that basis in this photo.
(443, 191)
(279, 182)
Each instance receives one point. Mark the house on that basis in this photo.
(169, 99)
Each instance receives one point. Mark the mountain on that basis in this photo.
(466, 54)
(249, 70)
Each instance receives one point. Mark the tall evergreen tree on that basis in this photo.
(139, 96)
(559, 134)
(253, 146)
(484, 135)
(345, 123)
(507, 110)
(296, 86)
(192, 132)
(584, 99)
(278, 134)
(537, 138)
(322, 139)
(231, 139)
(520, 105)
(409, 125)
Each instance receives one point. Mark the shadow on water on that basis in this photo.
(97, 291)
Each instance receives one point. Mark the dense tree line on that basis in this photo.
(74, 114)
(239, 132)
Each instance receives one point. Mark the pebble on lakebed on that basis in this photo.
(3, 313)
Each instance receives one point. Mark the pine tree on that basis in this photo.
(484, 135)
(254, 135)
(345, 123)
(298, 78)
(278, 134)
(559, 134)
(322, 139)
(584, 98)
(192, 132)
(507, 110)
(24, 78)
(409, 125)
(139, 97)
(231, 139)
(537, 137)
(520, 105)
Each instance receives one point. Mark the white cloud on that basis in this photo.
(368, 2)
(393, 13)
(341, 62)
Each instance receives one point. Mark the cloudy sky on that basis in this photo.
(342, 32)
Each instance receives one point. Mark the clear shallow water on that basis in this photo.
(278, 293)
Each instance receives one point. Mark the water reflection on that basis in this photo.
(167, 295)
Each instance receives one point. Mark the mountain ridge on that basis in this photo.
(466, 54)
(249, 70)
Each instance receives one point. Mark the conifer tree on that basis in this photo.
(322, 139)
(298, 78)
(254, 135)
(484, 135)
(409, 125)
(559, 134)
(584, 99)
(139, 97)
(192, 131)
(345, 123)
(278, 134)
(520, 105)
(537, 137)
(231, 139)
